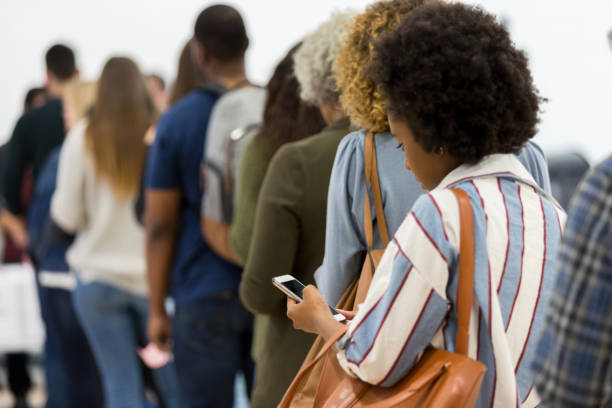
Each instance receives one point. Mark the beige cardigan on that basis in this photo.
(109, 244)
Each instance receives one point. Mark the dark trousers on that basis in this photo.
(70, 370)
(18, 376)
(211, 344)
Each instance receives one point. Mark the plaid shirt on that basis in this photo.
(574, 356)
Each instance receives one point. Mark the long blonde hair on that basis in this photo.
(77, 97)
(122, 113)
(358, 94)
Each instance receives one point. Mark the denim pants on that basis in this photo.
(115, 322)
(70, 370)
(212, 343)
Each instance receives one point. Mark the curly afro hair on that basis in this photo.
(452, 72)
(358, 94)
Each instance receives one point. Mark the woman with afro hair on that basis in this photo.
(345, 241)
(461, 103)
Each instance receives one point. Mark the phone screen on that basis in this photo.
(296, 287)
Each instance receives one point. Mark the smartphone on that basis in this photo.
(293, 288)
(153, 357)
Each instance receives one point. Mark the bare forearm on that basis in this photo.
(15, 227)
(327, 326)
(159, 253)
(161, 224)
(217, 237)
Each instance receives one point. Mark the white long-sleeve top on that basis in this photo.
(109, 244)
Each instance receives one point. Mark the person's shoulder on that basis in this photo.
(78, 130)
(244, 104)
(354, 143)
(329, 137)
(605, 166)
(50, 110)
(249, 95)
(193, 108)
(287, 162)
(599, 178)
(532, 148)
(194, 102)
(75, 138)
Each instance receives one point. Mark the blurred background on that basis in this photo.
(566, 41)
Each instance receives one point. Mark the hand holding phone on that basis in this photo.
(153, 357)
(294, 288)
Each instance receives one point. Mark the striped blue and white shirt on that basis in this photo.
(410, 303)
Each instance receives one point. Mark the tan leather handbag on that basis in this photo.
(305, 392)
(440, 378)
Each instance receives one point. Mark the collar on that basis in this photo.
(494, 165)
(342, 123)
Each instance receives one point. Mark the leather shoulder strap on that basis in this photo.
(372, 180)
(465, 290)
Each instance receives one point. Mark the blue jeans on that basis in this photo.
(212, 343)
(70, 370)
(115, 323)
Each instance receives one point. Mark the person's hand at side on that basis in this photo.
(15, 228)
(159, 331)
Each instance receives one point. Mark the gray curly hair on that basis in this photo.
(314, 59)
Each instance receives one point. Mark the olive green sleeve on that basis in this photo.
(276, 233)
(252, 172)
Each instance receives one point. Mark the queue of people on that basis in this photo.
(157, 216)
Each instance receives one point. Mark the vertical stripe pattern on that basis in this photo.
(411, 301)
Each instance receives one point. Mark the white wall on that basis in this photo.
(570, 57)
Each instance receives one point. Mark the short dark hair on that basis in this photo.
(31, 95)
(220, 30)
(452, 72)
(61, 62)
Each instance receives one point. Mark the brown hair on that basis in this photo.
(358, 94)
(286, 117)
(122, 113)
(188, 76)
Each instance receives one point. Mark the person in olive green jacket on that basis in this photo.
(289, 231)
(285, 119)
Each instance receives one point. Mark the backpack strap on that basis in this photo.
(373, 183)
(214, 89)
(465, 289)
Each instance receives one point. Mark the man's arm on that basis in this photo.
(161, 224)
(13, 166)
(217, 236)
(15, 228)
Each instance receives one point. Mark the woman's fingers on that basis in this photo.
(349, 314)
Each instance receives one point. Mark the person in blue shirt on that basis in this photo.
(210, 332)
(73, 373)
(345, 241)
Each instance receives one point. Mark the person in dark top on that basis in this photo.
(36, 134)
(39, 131)
(14, 233)
(211, 331)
